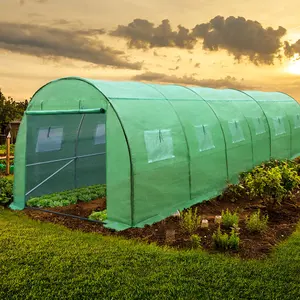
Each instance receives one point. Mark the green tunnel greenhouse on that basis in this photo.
(158, 148)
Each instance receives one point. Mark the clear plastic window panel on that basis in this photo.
(159, 145)
(204, 136)
(100, 134)
(297, 121)
(259, 126)
(49, 139)
(279, 126)
(236, 131)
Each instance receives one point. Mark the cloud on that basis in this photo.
(174, 69)
(242, 38)
(227, 82)
(142, 34)
(46, 42)
(22, 2)
(91, 32)
(291, 49)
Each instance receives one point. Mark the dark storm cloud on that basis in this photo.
(142, 34)
(227, 82)
(46, 42)
(242, 38)
(291, 49)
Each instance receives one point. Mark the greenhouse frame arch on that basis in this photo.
(158, 148)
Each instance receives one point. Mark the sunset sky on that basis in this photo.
(236, 44)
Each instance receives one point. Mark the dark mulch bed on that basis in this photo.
(282, 223)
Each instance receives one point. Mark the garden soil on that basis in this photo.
(282, 223)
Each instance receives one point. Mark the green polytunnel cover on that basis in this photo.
(158, 148)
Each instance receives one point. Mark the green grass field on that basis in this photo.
(46, 261)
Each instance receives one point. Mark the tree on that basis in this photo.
(10, 110)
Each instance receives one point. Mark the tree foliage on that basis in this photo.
(10, 110)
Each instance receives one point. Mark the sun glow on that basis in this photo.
(294, 66)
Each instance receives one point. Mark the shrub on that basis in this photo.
(6, 190)
(273, 181)
(195, 241)
(224, 242)
(256, 222)
(234, 192)
(189, 221)
(98, 215)
(234, 240)
(272, 184)
(220, 239)
(229, 219)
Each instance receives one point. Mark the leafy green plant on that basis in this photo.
(85, 197)
(195, 241)
(6, 190)
(98, 215)
(256, 222)
(68, 197)
(189, 220)
(272, 184)
(234, 192)
(224, 241)
(220, 240)
(229, 219)
(234, 240)
(3, 149)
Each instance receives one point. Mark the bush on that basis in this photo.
(224, 242)
(189, 221)
(234, 240)
(3, 149)
(229, 219)
(6, 190)
(256, 222)
(98, 215)
(195, 241)
(234, 192)
(273, 182)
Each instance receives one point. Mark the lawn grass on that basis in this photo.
(46, 261)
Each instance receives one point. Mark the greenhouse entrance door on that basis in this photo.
(65, 151)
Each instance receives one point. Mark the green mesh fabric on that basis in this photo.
(158, 148)
(69, 143)
(280, 111)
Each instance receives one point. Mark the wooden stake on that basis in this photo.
(8, 153)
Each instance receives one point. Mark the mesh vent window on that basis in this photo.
(49, 139)
(297, 121)
(204, 136)
(279, 126)
(259, 126)
(100, 134)
(236, 131)
(159, 145)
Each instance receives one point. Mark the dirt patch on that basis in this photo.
(282, 223)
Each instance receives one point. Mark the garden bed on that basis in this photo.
(256, 214)
(281, 224)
